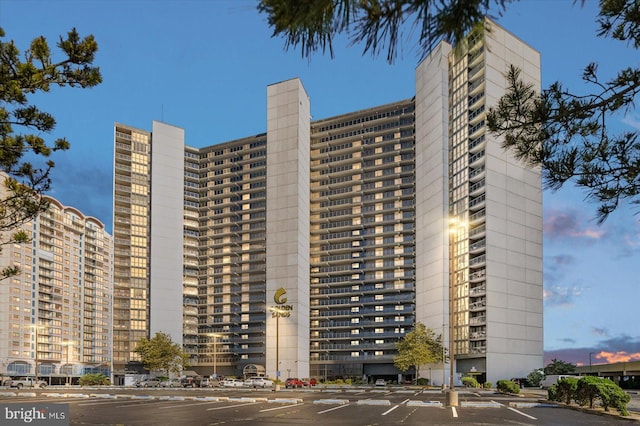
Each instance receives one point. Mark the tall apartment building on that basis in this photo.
(56, 314)
(311, 249)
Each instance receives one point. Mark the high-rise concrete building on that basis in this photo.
(311, 249)
(56, 314)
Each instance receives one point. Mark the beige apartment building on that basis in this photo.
(56, 314)
(311, 249)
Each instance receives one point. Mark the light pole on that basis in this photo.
(277, 312)
(444, 361)
(68, 344)
(454, 227)
(215, 352)
(590, 353)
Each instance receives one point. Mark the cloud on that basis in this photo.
(622, 348)
(620, 356)
(600, 331)
(561, 296)
(556, 269)
(567, 225)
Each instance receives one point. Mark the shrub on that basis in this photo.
(470, 382)
(487, 385)
(590, 389)
(507, 386)
(535, 378)
(422, 382)
(94, 379)
(566, 389)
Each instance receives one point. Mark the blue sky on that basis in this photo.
(205, 65)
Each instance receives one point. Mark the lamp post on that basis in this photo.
(215, 352)
(590, 353)
(444, 361)
(454, 227)
(277, 312)
(68, 344)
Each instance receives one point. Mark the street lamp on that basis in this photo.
(68, 344)
(455, 226)
(215, 352)
(590, 353)
(277, 312)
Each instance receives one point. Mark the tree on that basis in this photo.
(418, 347)
(161, 353)
(22, 123)
(379, 24)
(565, 133)
(535, 378)
(557, 366)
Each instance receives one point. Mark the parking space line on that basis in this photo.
(280, 408)
(334, 408)
(454, 411)
(521, 413)
(189, 405)
(394, 407)
(233, 406)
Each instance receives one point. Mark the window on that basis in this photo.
(355, 354)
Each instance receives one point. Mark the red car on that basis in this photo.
(293, 383)
(309, 382)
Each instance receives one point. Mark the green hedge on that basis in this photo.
(93, 379)
(470, 382)
(507, 386)
(588, 390)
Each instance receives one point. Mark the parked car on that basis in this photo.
(172, 383)
(149, 383)
(232, 383)
(209, 383)
(381, 382)
(293, 382)
(191, 382)
(27, 382)
(261, 382)
(309, 382)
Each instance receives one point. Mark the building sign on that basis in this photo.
(281, 309)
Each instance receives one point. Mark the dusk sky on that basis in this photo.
(205, 66)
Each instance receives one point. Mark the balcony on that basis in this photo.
(477, 188)
(477, 203)
(478, 320)
(478, 291)
(478, 306)
(476, 159)
(478, 246)
(478, 261)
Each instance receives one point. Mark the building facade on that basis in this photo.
(56, 314)
(311, 249)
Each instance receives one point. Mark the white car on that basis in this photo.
(232, 383)
(381, 382)
(261, 382)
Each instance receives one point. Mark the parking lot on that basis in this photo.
(126, 406)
